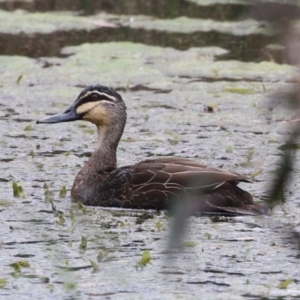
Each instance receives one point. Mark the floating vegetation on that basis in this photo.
(284, 284)
(70, 285)
(95, 266)
(229, 149)
(175, 137)
(213, 107)
(217, 219)
(83, 244)
(61, 218)
(122, 224)
(19, 265)
(255, 174)
(190, 244)
(63, 192)
(81, 207)
(48, 195)
(145, 260)
(81, 125)
(28, 128)
(3, 283)
(19, 79)
(53, 207)
(5, 203)
(250, 154)
(159, 226)
(89, 131)
(289, 146)
(102, 255)
(208, 235)
(242, 91)
(32, 153)
(18, 190)
(129, 140)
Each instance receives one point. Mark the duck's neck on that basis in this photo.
(103, 160)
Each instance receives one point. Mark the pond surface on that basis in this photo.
(196, 77)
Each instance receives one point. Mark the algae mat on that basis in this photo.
(187, 103)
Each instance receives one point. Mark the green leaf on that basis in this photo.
(63, 192)
(3, 283)
(229, 149)
(19, 79)
(94, 265)
(70, 285)
(159, 226)
(28, 127)
(17, 189)
(146, 258)
(61, 218)
(284, 284)
(190, 244)
(255, 174)
(241, 91)
(83, 243)
(19, 265)
(32, 153)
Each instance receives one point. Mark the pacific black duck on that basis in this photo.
(150, 184)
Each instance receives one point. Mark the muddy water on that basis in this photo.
(51, 249)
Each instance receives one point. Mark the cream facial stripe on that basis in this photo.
(86, 107)
(99, 93)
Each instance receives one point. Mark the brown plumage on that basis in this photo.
(150, 184)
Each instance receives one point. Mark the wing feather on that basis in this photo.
(157, 183)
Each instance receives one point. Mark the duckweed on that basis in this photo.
(70, 285)
(19, 79)
(145, 260)
(28, 128)
(242, 91)
(17, 189)
(61, 218)
(95, 266)
(48, 195)
(63, 192)
(159, 226)
(229, 149)
(284, 284)
(255, 174)
(19, 265)
(32, 153)
(190, 244)
(83, 244)
(3, 283)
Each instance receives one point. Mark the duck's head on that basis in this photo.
(96, 104)
(101, 106)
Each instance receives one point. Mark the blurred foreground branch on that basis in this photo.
(283, 18)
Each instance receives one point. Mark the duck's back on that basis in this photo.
(158, 184)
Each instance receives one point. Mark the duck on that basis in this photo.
(152, 183)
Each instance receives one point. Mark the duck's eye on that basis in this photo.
(94, 96)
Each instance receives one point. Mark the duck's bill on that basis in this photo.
(67, 116)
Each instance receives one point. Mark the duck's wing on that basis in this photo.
(158, 183)
(185, 172)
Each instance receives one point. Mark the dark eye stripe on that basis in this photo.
(94, 96)
(102, 96)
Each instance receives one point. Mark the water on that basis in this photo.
(171, 71)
